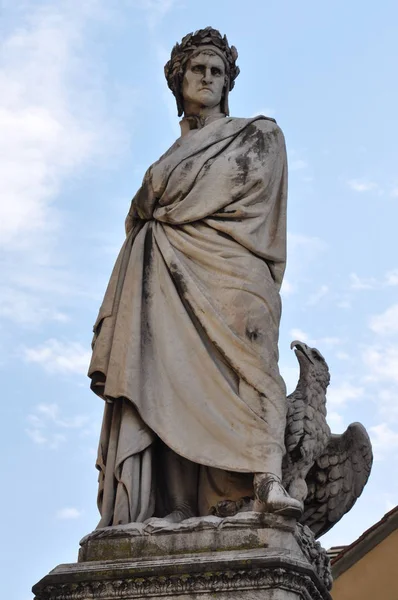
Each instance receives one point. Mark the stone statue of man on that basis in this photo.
(185, 348)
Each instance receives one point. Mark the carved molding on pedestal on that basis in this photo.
(186, 583)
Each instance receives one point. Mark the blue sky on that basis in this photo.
(84, 110)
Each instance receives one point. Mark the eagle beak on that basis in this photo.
(302, 348)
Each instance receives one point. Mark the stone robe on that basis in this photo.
(185, 344)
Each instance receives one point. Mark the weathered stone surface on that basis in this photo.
(257, 556)
(158, 537)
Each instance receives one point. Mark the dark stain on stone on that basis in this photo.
(243, 162)
(178, 279)
(264, 402)
(257, 139)
(207, 166)
(248, 132)
(188, 166)
(227, 215)
(146, 336)
(252, 333)
(228, 219)
(148, 256)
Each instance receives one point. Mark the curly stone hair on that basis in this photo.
(191, 44)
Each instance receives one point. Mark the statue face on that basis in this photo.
(203, 83)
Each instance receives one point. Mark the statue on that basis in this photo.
(185, 348)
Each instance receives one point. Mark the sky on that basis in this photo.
(84, 110)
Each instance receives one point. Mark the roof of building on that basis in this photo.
(349, 555)
(335, 551)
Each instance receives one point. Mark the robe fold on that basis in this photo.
(186, 340)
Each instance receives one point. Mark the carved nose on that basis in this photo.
(207, 78)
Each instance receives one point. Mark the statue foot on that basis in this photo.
(271, 496)
(179, 515)
(229, 508)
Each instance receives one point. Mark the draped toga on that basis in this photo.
(185, 345)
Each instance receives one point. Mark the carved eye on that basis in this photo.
(216, 71)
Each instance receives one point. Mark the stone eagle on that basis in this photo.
(325, 471)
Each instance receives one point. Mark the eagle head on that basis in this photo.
(312, 363)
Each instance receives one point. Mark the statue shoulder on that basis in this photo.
(261, 122)
(264, 117)
(262, 126)
(267, 124)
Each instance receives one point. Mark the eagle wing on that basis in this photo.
(337, 478)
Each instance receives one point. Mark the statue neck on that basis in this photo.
(190, 122)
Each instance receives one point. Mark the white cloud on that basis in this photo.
(43, 438)
(343, 356)
(329, 341)
(155, 10)
(317, 296)
(384, 441)
(49, 410)
(68, 513)
(362, 185)
(26, 308)
(54, 123)
(381, 363)
(392, 277)
(336, 422)
(358, 283)
(52, 413)
(299, 334)
(46, 425)
(386, 323)
(340, 395)
(59, 357)
(45, 132)
(394, 192)
(387, 403)
(36, 436)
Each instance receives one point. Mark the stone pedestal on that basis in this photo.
(246, 557)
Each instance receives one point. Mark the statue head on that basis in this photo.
(211, 51)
